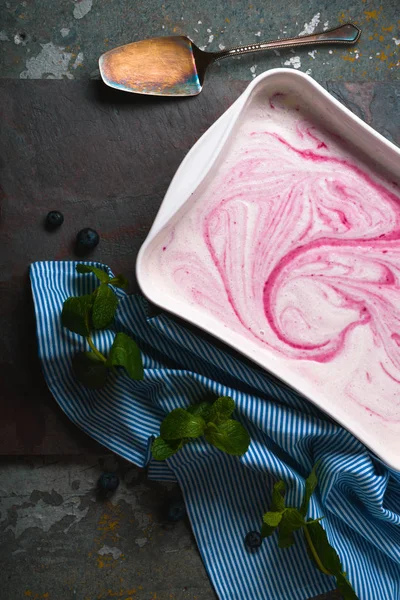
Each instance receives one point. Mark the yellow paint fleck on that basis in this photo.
(28, 593)
(381, 38)
(227, 20)
(371, 14)
(349, 58)
(388, 29)
(382, 56)
(109, 523)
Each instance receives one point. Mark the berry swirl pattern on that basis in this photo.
(295, 244)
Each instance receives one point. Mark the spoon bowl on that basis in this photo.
(164, 66)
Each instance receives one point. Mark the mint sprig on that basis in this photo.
(229, 436)
(76, 313)
(125, 353)
(286, 520)
(82, 314)
(163, 449)
(209, 419)
(119, 281)
(104, 307)
(180, 423)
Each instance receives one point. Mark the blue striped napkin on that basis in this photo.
(227, 496)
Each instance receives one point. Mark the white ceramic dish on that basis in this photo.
(200, 164)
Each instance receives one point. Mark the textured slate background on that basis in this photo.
(71, 144)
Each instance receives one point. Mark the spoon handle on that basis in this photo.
(345, 34)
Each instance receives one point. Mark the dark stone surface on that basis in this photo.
(97, 156)
(105, 159)
(59, 541)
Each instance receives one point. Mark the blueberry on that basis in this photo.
(253, 540)
(108, 482)
(176, 510)
(54, 219)
(87, 238)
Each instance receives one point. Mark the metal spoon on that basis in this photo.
(175, 66)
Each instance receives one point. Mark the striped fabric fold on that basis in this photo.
(227, 496)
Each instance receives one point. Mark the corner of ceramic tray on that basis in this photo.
(301, 78)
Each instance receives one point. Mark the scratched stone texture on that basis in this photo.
(59, 542)
(95, 154)
(64, 39)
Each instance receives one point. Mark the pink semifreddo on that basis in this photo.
(294, 242)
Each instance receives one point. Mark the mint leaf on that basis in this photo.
(286, 538)
(326, 553)
(222, 409)
(104, 307)
(311, 484)
(75, 314)
(120, 282)
(162, 449)
(181, 424)
(100, 274)
(345, 587)
(125, 353)
(202, 409)
(230, 437)
(289, 519)
(267, 530)
(273, 518)
(278, 496)
(292, 520)
(90, 370)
